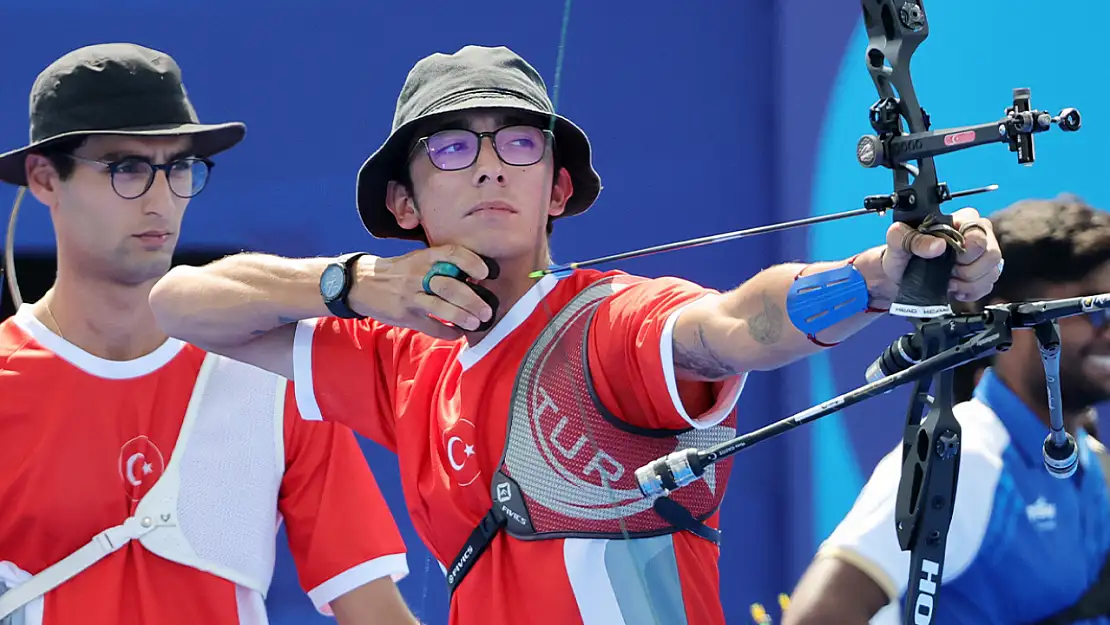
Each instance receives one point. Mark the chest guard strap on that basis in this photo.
(568, 465)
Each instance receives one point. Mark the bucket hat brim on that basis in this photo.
(208, 140)
(387, 163)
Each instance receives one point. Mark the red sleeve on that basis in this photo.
(341, 532)
(342, 372)
(630, 355)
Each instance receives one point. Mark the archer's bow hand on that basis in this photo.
(978, 257)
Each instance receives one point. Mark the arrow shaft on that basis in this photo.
(721, 238)
(876, 204)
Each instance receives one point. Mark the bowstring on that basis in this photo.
(9, 252)
(564, 359)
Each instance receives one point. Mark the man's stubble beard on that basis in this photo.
(1077, 393)
(129, 271)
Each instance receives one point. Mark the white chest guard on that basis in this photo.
(215, 507)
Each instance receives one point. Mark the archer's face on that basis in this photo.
(486, 203)
(102, 235)
(1085, 348)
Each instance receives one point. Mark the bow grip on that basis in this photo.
(923, 293)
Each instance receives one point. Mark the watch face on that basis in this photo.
(331, 282)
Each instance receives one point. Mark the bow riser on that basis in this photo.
(894, 33)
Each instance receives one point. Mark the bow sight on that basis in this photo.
(1016, 129)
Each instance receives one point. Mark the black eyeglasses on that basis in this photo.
(455, 149)
(133, 176)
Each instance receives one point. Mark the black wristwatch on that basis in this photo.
(336, 283)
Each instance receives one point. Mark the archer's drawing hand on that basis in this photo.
(391, 290)
(977, 267)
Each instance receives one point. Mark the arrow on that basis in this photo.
(877, 204)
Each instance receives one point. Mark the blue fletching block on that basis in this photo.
(822, 300)
(563, 273)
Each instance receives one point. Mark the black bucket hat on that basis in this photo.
(114, 89)
(475, 77)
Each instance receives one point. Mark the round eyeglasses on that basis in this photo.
(133, 176)
(455, 149)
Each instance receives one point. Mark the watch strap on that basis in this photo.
(339, 306)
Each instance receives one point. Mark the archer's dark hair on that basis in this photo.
(58, 153)
(1044, 242)
(1048, 242)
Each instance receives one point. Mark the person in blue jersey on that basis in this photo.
(1023, 547)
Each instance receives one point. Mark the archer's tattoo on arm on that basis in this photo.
(700, 359)
(766, 326)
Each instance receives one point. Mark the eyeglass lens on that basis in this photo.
(132, 177)
(451, 150)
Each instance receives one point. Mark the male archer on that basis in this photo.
(553, 396)
(127, 495)
(1024, 548)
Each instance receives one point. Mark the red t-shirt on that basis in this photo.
(82, 439)
(443, 408)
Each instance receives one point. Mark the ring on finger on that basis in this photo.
(968, 227)
(440, 268)
(907, 241)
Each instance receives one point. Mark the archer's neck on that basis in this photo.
(108, 320)
(511, 285)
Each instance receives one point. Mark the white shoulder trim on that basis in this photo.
(726, 399)
(394, 565)
(303, 390)
(95, 365)
(866, 537)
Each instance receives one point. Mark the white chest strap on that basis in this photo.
(150, 514)
(53, 576)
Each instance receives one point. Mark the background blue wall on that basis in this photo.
(705, 116)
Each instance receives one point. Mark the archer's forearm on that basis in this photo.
(233, 300)
(748, 328)
(376, 603)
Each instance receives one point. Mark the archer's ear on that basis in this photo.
(42, 179)
(400, 202)
(561, 193)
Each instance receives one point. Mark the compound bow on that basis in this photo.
(904, 143)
